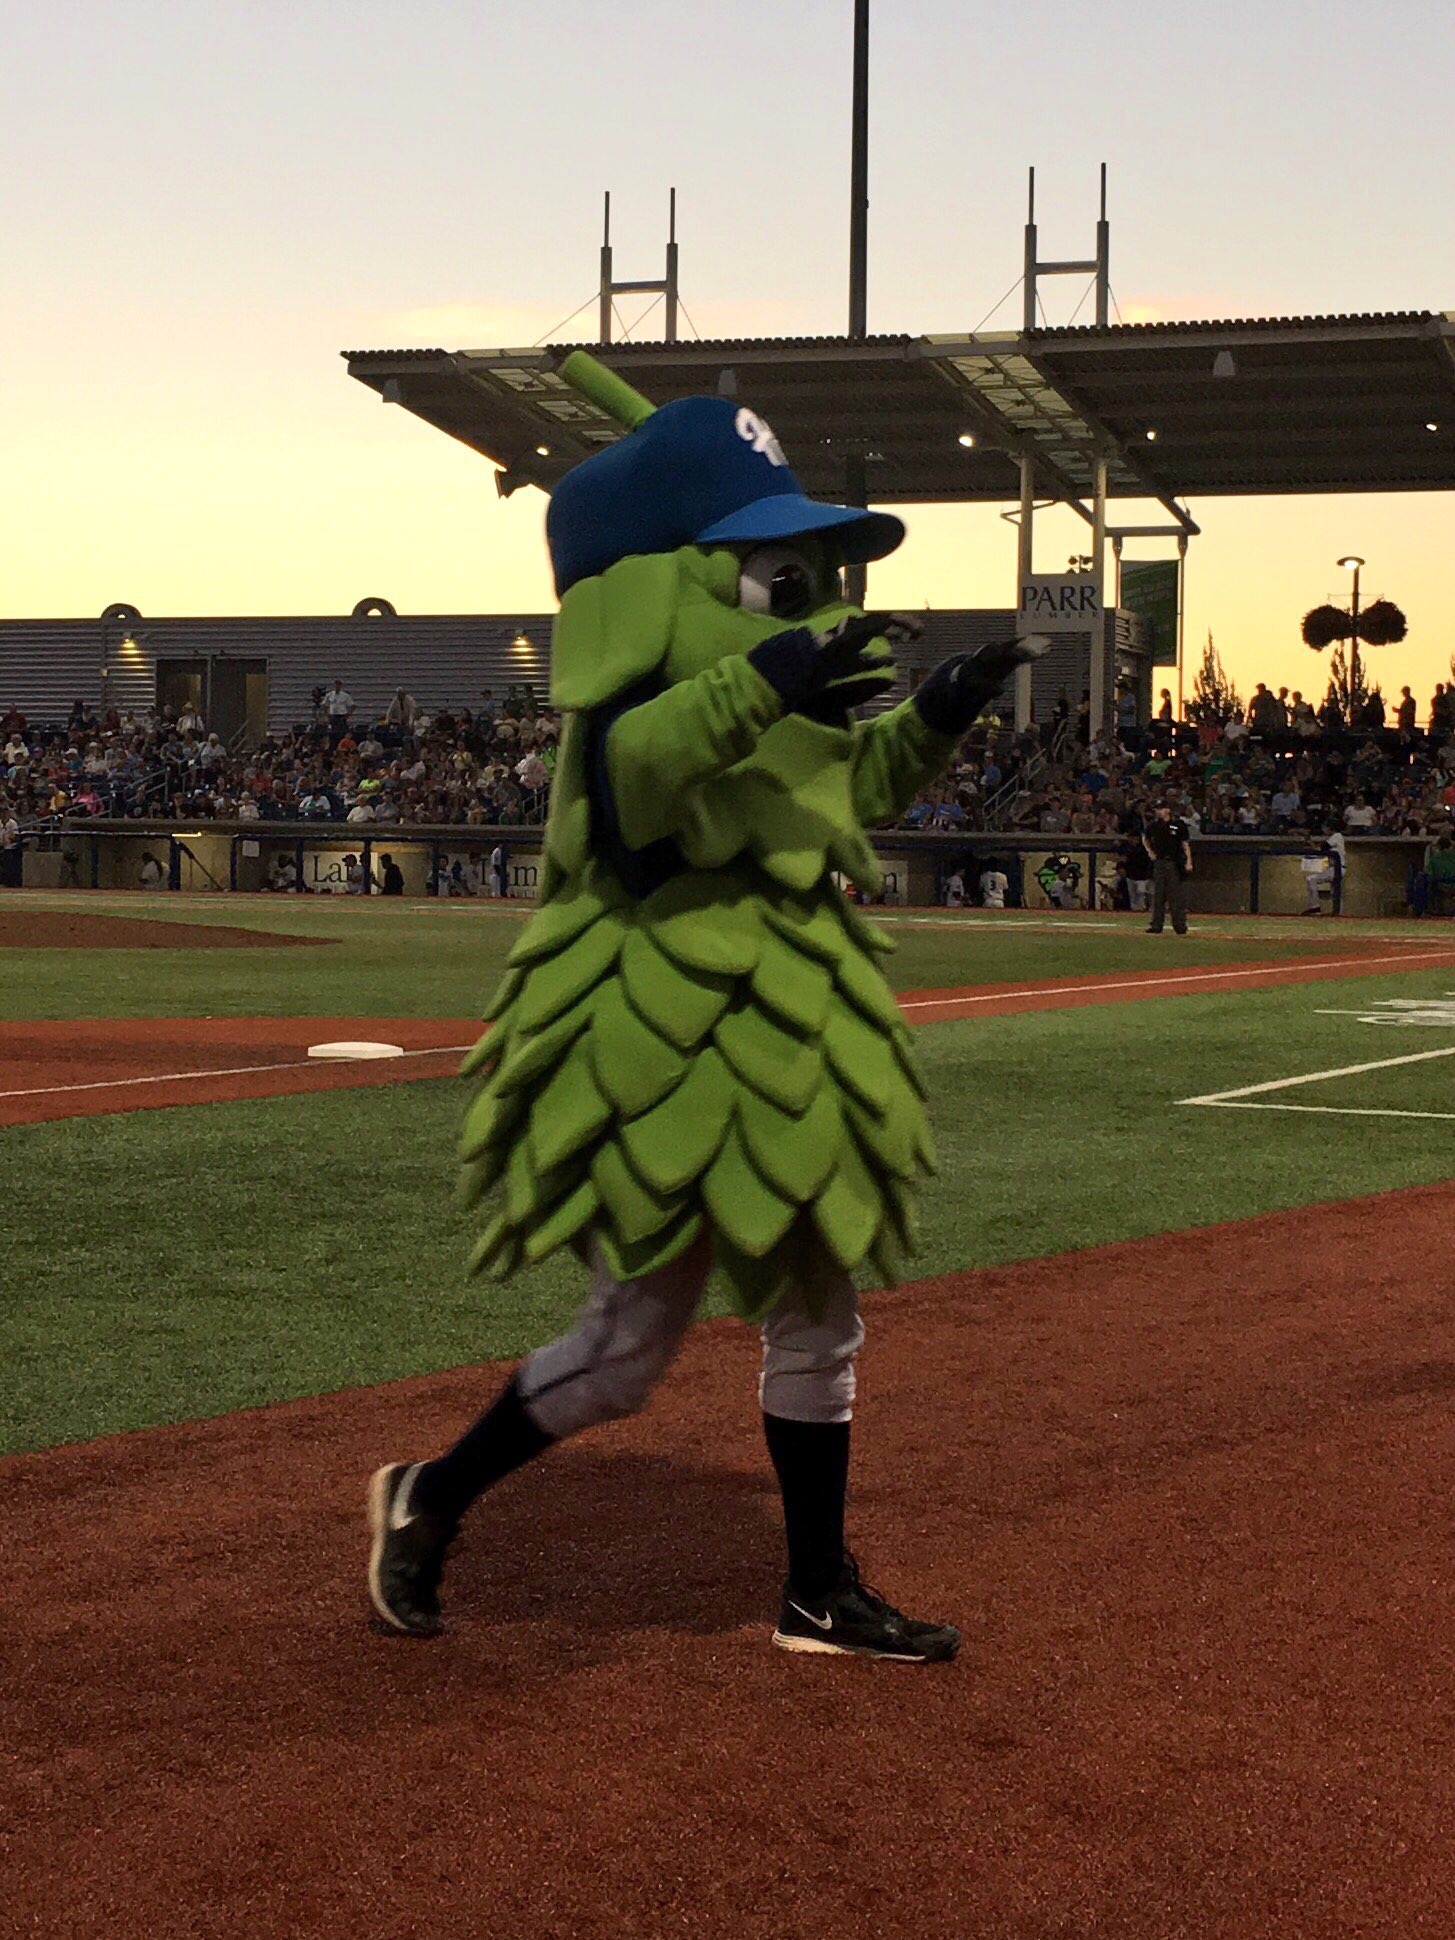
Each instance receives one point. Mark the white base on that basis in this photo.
(348, 1048)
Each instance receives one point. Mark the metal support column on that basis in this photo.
(1181, 614)
(859, 178)
(603, 321)
(663, 286)
(856, 492)
(669, 326)
(856, 479)
(1103, 261)
(1102, 638)
(1024, 553)
(1097, 266)
(1028, 277)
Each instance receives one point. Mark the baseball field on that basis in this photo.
(1166, 1426)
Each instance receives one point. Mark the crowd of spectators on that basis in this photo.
(482, 766)
(1280, 767)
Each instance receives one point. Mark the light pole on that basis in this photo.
(1352, 559)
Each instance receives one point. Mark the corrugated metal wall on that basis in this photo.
(45, 665)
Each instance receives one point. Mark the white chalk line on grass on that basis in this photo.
(230, 1071)
(1300, 967)
(1240, 1099)
(1014, 922)
(1322, 1111)
(923, 1003)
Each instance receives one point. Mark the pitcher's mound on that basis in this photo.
(52, 929)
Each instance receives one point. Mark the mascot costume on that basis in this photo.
(694, 1065)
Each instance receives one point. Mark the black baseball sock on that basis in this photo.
(502, 1439)
(812, 1460)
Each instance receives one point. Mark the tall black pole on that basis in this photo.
(859, 178)
(1354, 647)
(856, 479)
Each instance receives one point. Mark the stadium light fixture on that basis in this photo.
(543, 451)
(1151, 434)
(1430, 425)
(521, 643)
(967, 438)
(1351, 559)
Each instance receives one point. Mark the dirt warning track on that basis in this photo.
(1192, 1512)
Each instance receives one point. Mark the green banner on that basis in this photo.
(1149, 589)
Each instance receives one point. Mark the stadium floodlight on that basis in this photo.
(1351, 559)
(543, 451)
(967, 438)
(1430, 425)
(1151, 434)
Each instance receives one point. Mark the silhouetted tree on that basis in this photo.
(1215, 700)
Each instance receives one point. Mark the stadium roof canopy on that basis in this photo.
(1269, 405)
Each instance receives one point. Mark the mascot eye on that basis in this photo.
(780, 581)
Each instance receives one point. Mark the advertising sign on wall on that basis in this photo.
(1149, 589)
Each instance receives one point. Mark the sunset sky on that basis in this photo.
(204, 205)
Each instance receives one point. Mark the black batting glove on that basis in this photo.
(834, 670)
(953, 697)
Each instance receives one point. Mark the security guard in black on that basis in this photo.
(1168, 841)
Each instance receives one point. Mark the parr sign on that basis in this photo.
(1064, 603)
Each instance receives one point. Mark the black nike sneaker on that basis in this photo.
(854, 1620)
(407, 1557)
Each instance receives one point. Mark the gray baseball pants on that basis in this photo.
(628, 1334)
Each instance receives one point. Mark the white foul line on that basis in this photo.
(1323, 1111)
(232, 1071)
(924, 1003)
(1236, 1100)
(1298, 968)
(1317, 1077)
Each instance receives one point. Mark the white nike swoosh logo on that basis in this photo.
(820, 1623)
(401, 1495)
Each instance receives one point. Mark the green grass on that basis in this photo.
(394, 959)
(177, 1263)
(420, 959)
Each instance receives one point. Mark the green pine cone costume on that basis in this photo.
(725, 1051)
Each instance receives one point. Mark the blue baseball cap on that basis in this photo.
(703, 471)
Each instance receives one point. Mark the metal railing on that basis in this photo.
(1001, 806)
